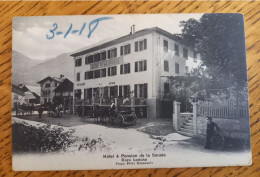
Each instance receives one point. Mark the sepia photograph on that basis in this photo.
(129, 91)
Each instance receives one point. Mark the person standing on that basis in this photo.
(211, 128)
(40, 110)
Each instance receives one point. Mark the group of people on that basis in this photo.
(56, 110)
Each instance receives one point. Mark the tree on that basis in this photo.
(219, 39)
(186, 89)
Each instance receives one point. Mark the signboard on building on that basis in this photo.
(106, 63)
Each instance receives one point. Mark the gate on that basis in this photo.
(166, 109)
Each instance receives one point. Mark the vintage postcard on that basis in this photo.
(129, 91)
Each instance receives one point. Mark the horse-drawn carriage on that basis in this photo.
(116, 116)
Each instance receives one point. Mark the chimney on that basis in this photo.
(61, 76)
(133, 29)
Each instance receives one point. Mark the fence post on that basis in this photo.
(195, 118)
(176, 115)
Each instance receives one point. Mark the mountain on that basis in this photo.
(54, 67)
(29, 71)
(22, 63)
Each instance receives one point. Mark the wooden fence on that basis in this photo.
(233, 109)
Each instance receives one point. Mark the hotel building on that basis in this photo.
(135, 66)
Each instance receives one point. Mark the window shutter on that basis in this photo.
(145, 90)
(145, 44)
(121, 50)
(136, 66)
(121, 69)
(108, 71)
(120, 90)
(80, 62)
(105, 72)
(141, 66)
(145, 65)
(128, 68)
(136, 46)
(115, 52)
(129, 49)
(135, 90)
(108, 54)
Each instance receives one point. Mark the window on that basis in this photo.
(97, 73)
(56, 84)
(112, 71)
(166, 65)
(47, 85)
(194, 57)
(141, 90)
(185, 53)
(78, 76)
(89, 75)
(176, 49)
(165, 46)
(103, 55)
(88, 93)
(141, 45)
(78, 62)
(112, 53)
(89, 59)
(126, 49)
(140, 65)
(103, 72)
(124, 91)
(177, 68)
(136, 46)
(96, 57)
(125, 68)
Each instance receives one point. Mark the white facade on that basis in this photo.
(47, 88)
(156, 56)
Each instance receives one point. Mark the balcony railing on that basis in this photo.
(108, 101)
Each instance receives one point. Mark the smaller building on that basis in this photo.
(63, 94)
(48, 85)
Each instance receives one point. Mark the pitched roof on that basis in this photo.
(66, 85)
(51, 78)
(128, 37)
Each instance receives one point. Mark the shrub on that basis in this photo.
(28, 138)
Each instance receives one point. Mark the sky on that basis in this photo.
(29, 33)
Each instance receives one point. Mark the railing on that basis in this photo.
(228, 109)
(108, 101)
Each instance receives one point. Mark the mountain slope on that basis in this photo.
(22, 63)
(54, 67)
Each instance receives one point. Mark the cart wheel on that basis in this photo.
(218, 141)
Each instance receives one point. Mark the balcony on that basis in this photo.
(124, 102)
